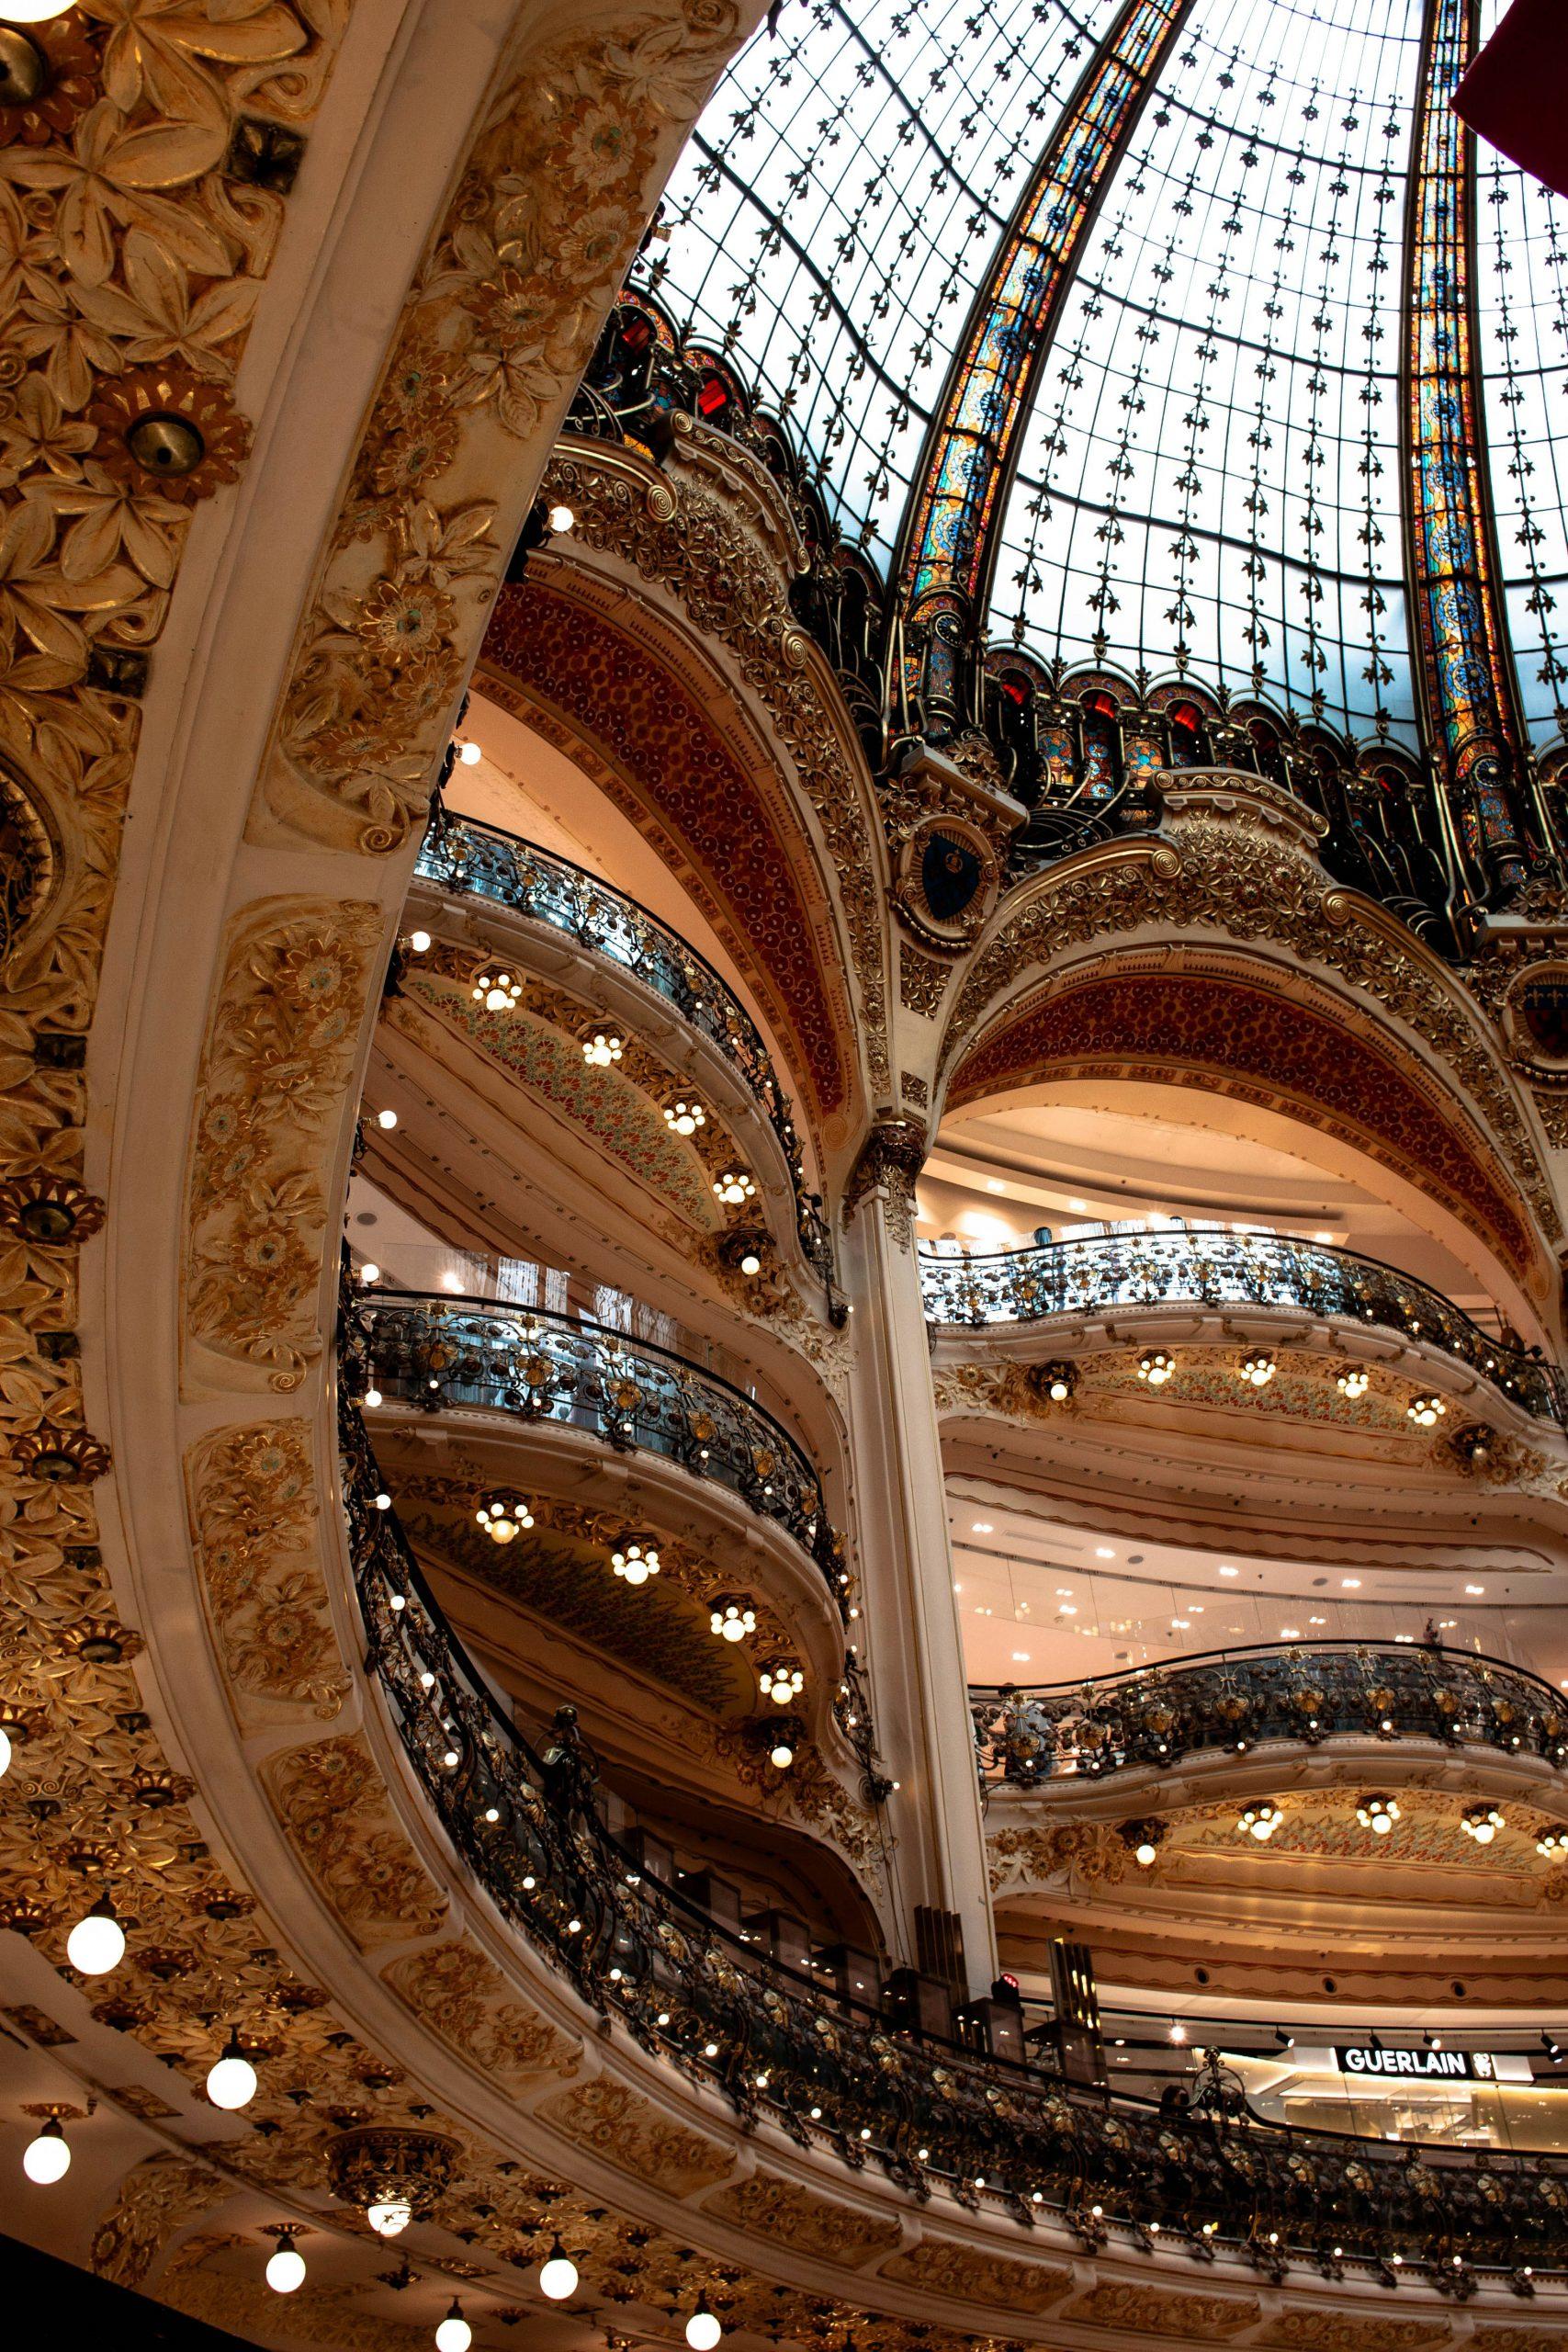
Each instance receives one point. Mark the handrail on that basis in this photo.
(1231, 1699)
(1144, 1269)
(1001, 2134)
(438, 1352)
(462, 854)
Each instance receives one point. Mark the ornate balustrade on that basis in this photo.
(463, 856)
(1234, 1699)
(440, 1353)
(1178, 1268)
(1002, 2138)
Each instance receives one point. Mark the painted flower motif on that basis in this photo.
(415, 386)
(595, 246)
(69, 87)
(38, 432)
(405, 617)
(598, 143)
(405, 464)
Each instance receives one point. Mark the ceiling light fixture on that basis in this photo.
(1260, 1820)
(285, 2267)
(1377, 1813)
(684, 1117)
(782, 1683)
(1426, 1411)
(453, 2335)
(636, 1558)
(470, 754)
(1155, 1367)
(231, 2078)
(496, 990)
(1259, 1368)
(601, 1047)
(732, 1620)
(557, 2274)
(504, 1516)
(1354, 1382)
(702, 2330)
(1480, 1821)
(96, 1944)
(733, 1187)
(47, 2158)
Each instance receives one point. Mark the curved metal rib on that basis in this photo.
(836, 2076)
(438, 1353)
(1233, 1699)
(461, 855)
(1143, 1269)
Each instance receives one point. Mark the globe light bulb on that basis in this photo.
(560, 518)
(453, 2335)
(96, 1944)
(387, 1120)
(390, 2216)
(470, 754)
(781, 1756)
(286, 2269)
(751, 1263)
(231, 2079)
(702, 2330)
(557, 2274)
(32, 12)
(370, 1271)
(47, 2158)
(420, 942)
(372, 1398)
(1144, 1854)
(5, 1753)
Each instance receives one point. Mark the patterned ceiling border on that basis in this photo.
(1224, 861)
(678, 535)
(556, 657)
(1223, 1032)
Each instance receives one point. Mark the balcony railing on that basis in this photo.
(441, 1354)
(1143, 1269)
(461, 855)
(1003, 2137)
(1236, 1699)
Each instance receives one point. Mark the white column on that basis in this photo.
(914, 1648)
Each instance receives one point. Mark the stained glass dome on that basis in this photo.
(1245, 363)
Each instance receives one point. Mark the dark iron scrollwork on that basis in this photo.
(837, 2074)
(439, 1354)
(463, 856)
(1144, 1269)
(1233, 1699)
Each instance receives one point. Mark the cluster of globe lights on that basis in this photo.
(636, 1558)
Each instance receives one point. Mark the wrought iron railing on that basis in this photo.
(1234, 1699)
(1143, 1269)
(833, 2074)
(463, 856)
(440, 1353)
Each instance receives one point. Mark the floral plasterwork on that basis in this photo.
(788, 2215)
(498, 328)
(332, 1802)
(253, 1519)
(157, 2197)
(464, 1998)
(274, 1071)
(630, 2133)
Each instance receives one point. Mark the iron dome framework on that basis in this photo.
(1138, 369)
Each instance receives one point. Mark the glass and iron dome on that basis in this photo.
(1104, 315)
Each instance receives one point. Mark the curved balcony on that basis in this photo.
(1219, 1269)
(463, 856)
(1232, 1700)
(438, 1353)
(1002, 2137)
